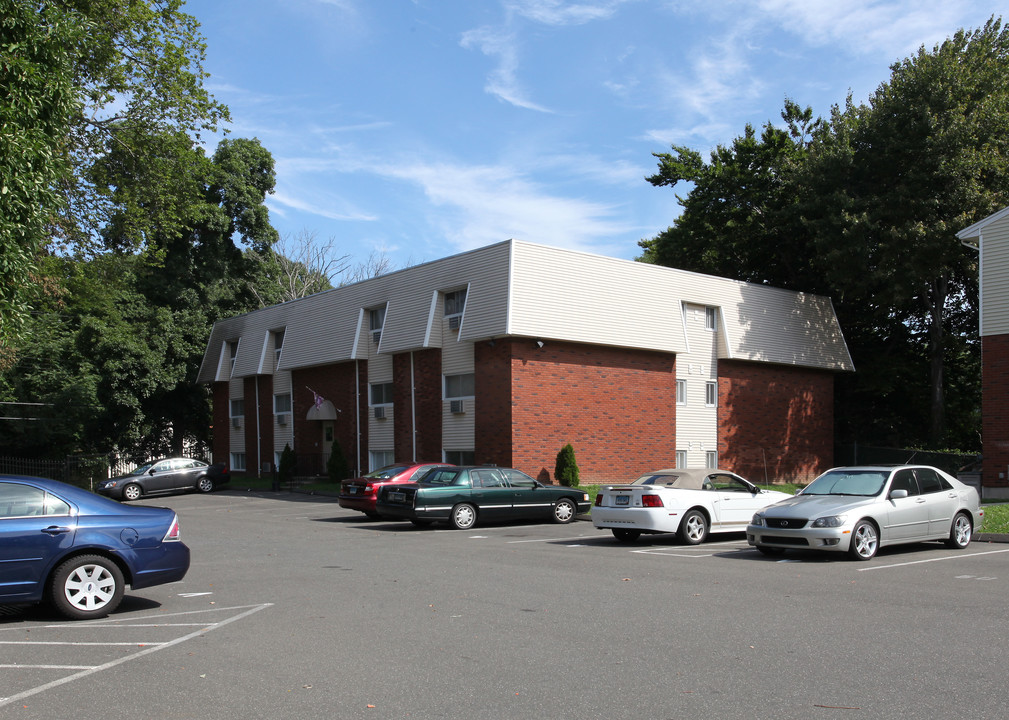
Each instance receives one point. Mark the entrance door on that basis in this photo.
(327, 443)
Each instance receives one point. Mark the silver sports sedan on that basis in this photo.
(861, 509)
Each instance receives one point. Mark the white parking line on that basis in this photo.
(148, 649)
(578, 537)
(936, 559)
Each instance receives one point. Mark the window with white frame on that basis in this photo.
(233, 352)
(237, 407)
(681, 459)
(460, 457)
(455, 303)
(459, 386)
(238, 461)
(278, 347)
(710, 318)
(381, 393)
(380, 458)
(710, 459)
(282, 403)
(710, 394)
(376, 322)
(681, 392)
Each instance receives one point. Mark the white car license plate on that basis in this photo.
(397, 497)
(353, 490)
(623, 500)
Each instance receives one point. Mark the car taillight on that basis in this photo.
(599, 500)
(651, 501)
(369, 489)
(173, 534)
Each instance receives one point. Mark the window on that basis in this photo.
(18, 500)
(681, 459)
(282, 403)
(233, 352)
(928, 481)
(237, 407)
(381, 394)
(278, 346)
(376, 318)
(455, 303)
(238, 461)
(710, 459)
(380, 458)
(710, 318)
(711, 394)
(460, 457)
(459, 386)
(517, 478)
(681, 392)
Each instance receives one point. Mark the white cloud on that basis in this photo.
(502, 81)
(557, 12)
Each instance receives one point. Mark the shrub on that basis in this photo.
(288, 465)
(566, 470)
(336, 467)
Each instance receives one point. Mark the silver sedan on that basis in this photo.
(861, 509)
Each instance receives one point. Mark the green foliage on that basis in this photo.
(864, 207)
(288, 465)
(337, 467)
(72, 76)
(566, 467)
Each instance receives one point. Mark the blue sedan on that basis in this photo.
(76, 550)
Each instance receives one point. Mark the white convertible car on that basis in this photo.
(690, 503)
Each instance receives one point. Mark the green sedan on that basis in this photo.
(463, 495)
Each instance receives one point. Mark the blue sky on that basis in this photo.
(416, 129)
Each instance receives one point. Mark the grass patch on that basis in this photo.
(996, 518)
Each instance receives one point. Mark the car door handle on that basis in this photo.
(920, 500)
(55, 530)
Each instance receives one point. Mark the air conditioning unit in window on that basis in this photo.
(457, 407)
(454, 322)
(379, 413)
(376, 336)
(282, 418)
(236, 422)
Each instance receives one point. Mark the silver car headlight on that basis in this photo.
(758, 520)
(831, 521)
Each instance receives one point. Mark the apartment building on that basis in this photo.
(506, 353)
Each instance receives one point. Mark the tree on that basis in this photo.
(566, 467)
(73, 74)
(864, 207)
(295, 268)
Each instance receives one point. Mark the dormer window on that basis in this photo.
(233, 351)
(455, 303)
(278, 346)
(376, 321)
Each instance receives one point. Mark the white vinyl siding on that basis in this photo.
(697, 370)
(381, 431)
(995, 279)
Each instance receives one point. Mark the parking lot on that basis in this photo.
(294, 607)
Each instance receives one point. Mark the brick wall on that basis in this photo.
(221, 428)
(417, 391)
(616, 407)
(337, 383)
(995, 410)
(493, 382)
(775, 422)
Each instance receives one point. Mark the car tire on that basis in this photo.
(625, 535)
(463, 516)
(864, 541)
(132, 492)
(764, 549)
(205, 484)
(693, 528)
(564, 511)
(86, 587)
(960, 532)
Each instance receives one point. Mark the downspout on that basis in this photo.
(357, 415)
(413, 407)
(259, 435)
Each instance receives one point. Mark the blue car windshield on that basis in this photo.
(848, 482)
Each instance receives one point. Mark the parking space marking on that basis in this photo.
(935, 559)
(694, 551)
(579, 537)
(149, 648)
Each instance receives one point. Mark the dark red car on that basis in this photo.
(360, 493)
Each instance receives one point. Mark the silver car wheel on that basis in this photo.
(564, 511)
(463, 516)
(205, 484)
(693, 528)
(87, 587)
(132, 492)
(864, 541)
(960, 532)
